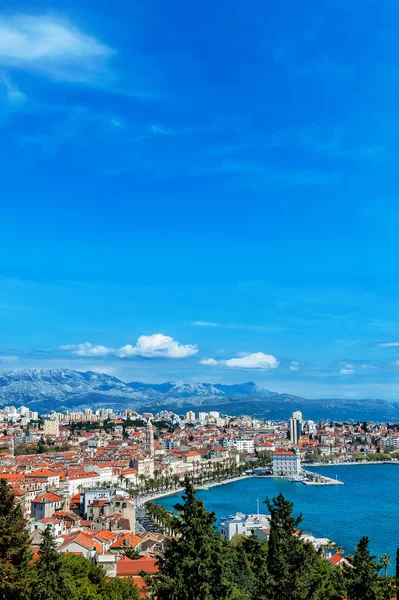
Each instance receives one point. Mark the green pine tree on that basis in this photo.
(295, 570)
(51, 578)
(249, 564)
(196, 565)
(362, 577)
(15, 555)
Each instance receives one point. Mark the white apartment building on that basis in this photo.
(244, 525)
(287, 463)
(240, 444)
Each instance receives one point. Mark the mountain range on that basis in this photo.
(44, 390)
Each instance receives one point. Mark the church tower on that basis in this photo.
(149, 439)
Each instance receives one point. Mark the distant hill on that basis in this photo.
(64, 389)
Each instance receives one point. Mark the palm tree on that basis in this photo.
(385, 561)
(339, 550)
(131, 553)
(330, 545)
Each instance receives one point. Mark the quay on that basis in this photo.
(310, 478)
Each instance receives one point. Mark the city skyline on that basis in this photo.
(203, 194)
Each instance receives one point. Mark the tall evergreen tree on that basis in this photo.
(14, 549)
(51, 578)
(363, 579)
(249, 564)
(196, 565)
(295, 569)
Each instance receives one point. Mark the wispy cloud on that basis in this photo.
(347, 370)
(8, 358)
(156, 345)
(257, 360)
(388, 345)
(53, 47)
(205, 324)
(239, 326)
(10, 94)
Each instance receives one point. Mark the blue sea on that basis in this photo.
(367, 504)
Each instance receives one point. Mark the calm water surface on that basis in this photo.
(366, 505)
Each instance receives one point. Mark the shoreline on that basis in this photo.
(205, 487)
(353, 464)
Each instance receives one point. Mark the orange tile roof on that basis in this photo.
(82, 539)
(127, 567)
(121, 542)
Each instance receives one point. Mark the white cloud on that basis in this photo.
(388, 345)
(209, 362)
(347, 371)
(149, 346)
(294, 366)
(205, 324)
(87, 349)
(257, 360)
(51, 46)
(158, 345)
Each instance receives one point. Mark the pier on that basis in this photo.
(310, 478)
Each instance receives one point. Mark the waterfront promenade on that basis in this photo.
(143, 499)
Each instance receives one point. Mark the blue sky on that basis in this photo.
(202, 191)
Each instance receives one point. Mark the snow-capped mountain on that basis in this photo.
(64, 389)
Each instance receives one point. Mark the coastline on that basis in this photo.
(206, 486)
(353, 464)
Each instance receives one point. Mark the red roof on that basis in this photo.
(127, 567)
(129, 539)
(82, 539)
(336, 559)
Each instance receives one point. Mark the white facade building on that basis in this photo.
(244, 525)
(287, 463)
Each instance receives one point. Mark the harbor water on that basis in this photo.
(367, 504)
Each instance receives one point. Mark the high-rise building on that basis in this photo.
(295, 425)
(190, 416)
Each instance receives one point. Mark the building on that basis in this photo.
(202, 417)
(214, 414)
(143, 466)
(295, 427)
(241, 444)
(51, 428)
(245, 525)
(287, 463)
(46, 505)
(149, 439)
(190, 416)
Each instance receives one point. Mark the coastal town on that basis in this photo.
(89, 476)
